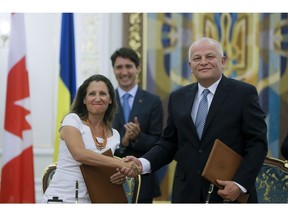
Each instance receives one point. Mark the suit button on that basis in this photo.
(200, 150)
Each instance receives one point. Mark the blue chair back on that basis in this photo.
(272, 181)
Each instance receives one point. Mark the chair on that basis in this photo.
(131, 186)
(272, 181)
(48, 175)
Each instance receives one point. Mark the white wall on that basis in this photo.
(97, 36)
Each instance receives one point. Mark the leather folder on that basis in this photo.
(100, 189)
(223, 162)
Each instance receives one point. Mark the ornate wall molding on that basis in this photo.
(136, 40)
(90, 26)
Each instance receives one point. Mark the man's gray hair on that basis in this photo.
(208, 40)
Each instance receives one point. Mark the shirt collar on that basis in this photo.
(132, 91)
(211, 88)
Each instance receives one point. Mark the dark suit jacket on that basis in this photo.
(148, 108)
(235, 117)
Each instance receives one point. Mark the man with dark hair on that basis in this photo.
(140, 117)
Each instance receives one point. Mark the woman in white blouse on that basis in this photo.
(85, 133)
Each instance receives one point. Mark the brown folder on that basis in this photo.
(100, 189)
(223, 162)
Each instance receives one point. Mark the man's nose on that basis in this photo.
(124, 70)
(203, 60)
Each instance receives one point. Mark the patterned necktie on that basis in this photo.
(202, 113)
(126, 106)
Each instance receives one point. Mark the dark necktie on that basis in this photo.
(202, 113)
(126, 106)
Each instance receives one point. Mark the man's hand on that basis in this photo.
(132, 129)
(230, 192)
(137, 168)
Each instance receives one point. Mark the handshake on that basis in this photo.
(132, 166)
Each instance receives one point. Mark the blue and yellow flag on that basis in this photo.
(67, 78)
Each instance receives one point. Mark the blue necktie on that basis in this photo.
(202, 113)
(126, 106)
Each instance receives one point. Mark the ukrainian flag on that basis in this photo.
(67, 78)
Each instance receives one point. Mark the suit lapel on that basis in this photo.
(120, 114)
(222, 91)
(138, 103)
(189, 98)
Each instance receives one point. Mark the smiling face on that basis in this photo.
(206, 61)
(97, 98)
(126, 73)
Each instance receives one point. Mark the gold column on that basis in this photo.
(136, 39)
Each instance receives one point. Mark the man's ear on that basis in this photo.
(224, 60)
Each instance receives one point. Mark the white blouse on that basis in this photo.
(63, 183)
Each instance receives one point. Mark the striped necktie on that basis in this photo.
(202, 113)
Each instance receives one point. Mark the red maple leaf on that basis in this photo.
(17, 90)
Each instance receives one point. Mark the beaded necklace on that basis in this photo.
(99, 145)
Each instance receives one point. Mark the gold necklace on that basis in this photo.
(99, 145)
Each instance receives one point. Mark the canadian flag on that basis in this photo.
(17, 177)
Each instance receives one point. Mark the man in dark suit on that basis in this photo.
(234, 116)
(145, 121)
